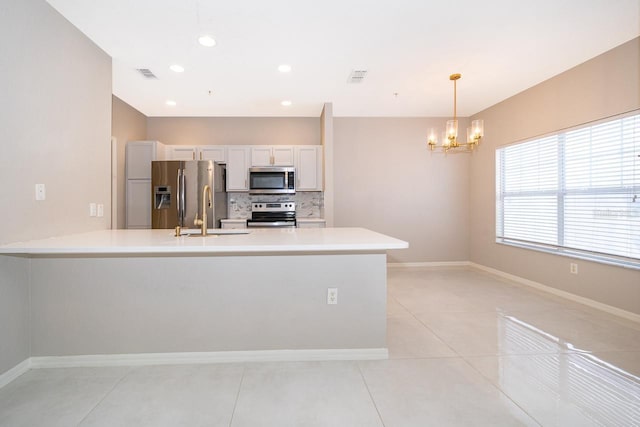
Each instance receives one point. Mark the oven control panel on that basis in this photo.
(273, 207)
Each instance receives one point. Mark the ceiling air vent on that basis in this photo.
(146, 73)
(357, 76)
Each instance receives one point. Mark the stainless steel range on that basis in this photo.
(272, 214)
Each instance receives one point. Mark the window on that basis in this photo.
(576, 192)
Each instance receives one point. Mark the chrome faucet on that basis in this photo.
(207, 199)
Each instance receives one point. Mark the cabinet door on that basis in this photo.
(311, 224)
(139, 155)
(309, 168)
(217, 153)
(138, 213)
(181, 152)
(234, 224)
(282, 156)
(237, 168)
(261, 156)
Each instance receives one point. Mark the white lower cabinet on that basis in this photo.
(233, 223)
(138, 208)
(311, 223)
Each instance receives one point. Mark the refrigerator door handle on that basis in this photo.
(178, 197)
(183, 197)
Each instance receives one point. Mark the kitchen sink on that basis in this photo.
(214, 232)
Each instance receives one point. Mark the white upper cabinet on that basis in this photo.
(308, 168)
(237, 168)
(266, 155)
(138, 158)
(181, 152)
(217, 153)
(307, 159)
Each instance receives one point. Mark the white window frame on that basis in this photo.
(561, 192)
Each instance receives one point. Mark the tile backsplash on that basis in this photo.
(309, 204)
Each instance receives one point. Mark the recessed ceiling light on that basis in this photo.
(171, 103)
(284, 68)
(177, 68)
(207, 41)
(285, 103)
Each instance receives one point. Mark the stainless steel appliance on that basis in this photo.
(272, 180)
(177, 193)
(272, 215)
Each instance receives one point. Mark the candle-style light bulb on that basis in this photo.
(452, 129)
(478, 128)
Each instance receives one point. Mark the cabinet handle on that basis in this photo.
(201, 155)
(271, 159)
(193, 155)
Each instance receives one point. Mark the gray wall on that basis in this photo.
(148, 305)
(387, 180)
(127, 124)
(606, 85)
(14, 312)
(234, 130)
(55, 126)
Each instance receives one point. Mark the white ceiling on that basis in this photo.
(409, 47)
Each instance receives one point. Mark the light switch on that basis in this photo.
(100, 209)
(332, 295)
(92, 209)
(40, 192)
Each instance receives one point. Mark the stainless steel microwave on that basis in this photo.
(272, 180)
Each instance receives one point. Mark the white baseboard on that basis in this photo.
(208, 357)
(428, 264)
(568, 295)
(15, 372)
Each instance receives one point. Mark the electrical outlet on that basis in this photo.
(573, 268)
(332, 295)
(40, 192)
(93, 209)
(100, 209)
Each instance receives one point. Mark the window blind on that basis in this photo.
(576, 191)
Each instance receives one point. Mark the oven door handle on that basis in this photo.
(271, 224)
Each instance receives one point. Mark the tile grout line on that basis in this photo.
(370, 395)
(426, 327)
(471, 366)
(235, 404)
(502, 392)
(105, 395)
(459, 356)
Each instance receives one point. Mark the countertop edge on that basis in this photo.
(323, 241)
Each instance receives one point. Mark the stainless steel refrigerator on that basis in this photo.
(176, 191)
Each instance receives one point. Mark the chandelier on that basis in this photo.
(450, 135)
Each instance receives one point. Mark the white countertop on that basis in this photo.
(305, 219)
(164, 242)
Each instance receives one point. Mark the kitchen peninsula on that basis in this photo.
(145, 296)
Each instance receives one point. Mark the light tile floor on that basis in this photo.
(466, 349)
